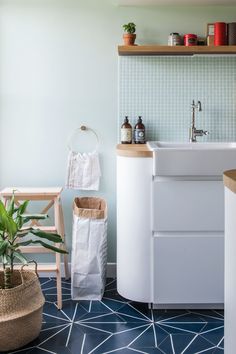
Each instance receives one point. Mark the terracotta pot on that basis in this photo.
(129, 38)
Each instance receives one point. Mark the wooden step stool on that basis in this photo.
(52, 196)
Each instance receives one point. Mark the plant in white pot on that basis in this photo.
(21, 298)
(129, 36)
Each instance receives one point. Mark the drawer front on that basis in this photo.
(188, 270)
(188, 206)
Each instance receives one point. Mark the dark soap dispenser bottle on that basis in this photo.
(126, 132)
(139, 132)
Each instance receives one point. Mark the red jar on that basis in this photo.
(220, 33)
(190, 39)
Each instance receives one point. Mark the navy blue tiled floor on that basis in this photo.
(115, 325)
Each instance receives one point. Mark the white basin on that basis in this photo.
(192, 159)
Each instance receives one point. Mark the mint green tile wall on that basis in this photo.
(161, 89)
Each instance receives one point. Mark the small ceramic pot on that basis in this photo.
(129, 38)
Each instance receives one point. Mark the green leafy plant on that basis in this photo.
(130, 27)
(12, 236)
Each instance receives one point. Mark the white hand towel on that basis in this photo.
(83, 171)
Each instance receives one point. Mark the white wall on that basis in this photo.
(58, 70)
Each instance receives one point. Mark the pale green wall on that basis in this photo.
(58, 69)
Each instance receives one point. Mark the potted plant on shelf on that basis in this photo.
(130, 36)
(21, 298)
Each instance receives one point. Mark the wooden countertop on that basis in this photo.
(230, 180)
(133, 150)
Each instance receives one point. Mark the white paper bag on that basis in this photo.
(89, 250)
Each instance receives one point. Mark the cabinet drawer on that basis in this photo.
(188, 270)
(188, 206)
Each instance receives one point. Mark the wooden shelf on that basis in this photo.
(175, 50)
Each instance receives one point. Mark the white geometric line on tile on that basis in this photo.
(107, 307)
(153, 328)
(76, 307)
(158, 347)
(20, 350)
(50, 302)
(98, 316)
(97, 329)
(58, 318)
(210, 316)
(82, 346)
(137, 318)
(68, 337)
(161, 350)
(48, 329)
(114, 350)
(53, 287)
(65, 282)
(177, 316)
(131, 329)
(175, 327)
(139, 311)
(112, 289)
(208, 340)
(185, 322)
(204, 326)
(65, 315)
(134, 340)
(73, 318)
(47, 281)
(206, 350)
(83, 307)
(46, 350)
(100, 344)
(137, 350)
(103, 322)
(152, 316)
(220, 342)
(213, 329)
(161, 326)
(189, 343)
(90, 306)
(53, 335)
(112, 281)
(172, 344)
(54, 303)
(220, 314)
(154, 334)
(122, 302)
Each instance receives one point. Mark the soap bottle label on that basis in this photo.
(139, 135)
(126, 134)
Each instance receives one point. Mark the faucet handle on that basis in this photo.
(199, 105)
(205, 132)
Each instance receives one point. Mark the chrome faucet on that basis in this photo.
(193, 131)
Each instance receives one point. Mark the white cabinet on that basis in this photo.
(170, 238)
(230, 270)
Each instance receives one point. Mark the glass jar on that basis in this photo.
(174, 39)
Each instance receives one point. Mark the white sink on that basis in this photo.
(192, 159)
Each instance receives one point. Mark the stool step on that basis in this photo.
(49, 229)
(35, 249)
(41, 267)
